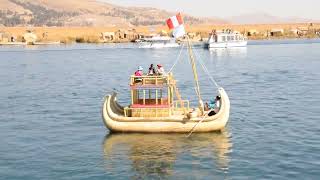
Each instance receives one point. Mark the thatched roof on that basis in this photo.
(30, 37)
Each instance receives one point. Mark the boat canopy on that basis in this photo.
(150, 94)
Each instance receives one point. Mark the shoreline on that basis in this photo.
(66, 35)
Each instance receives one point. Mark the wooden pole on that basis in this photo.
(156, 96)
(144, 97)
(195, 75)
(132, 97)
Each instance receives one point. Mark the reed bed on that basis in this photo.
(93, 34)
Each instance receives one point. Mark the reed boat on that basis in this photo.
(157, 107)
(163, 118)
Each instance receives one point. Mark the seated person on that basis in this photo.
(214, 106)
(206, 107)
(139, 72)
(160, 70)
(151, 71)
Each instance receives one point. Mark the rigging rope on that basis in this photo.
(178, 58)
(205, 69)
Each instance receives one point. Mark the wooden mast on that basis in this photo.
(195, 75)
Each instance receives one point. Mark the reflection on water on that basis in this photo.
(155, 155)
(230, 51)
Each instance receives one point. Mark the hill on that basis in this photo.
(264, 18)
(85, 13)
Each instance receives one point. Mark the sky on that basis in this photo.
(308, 9)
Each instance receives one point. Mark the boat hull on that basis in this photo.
(115, 121)
(158, 45)
(227, 44)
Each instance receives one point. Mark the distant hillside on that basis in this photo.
(264, 18)
(84, 13)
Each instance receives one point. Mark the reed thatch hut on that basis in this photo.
(108, 36)
(276, 32)
(4, 37)
(29, 37)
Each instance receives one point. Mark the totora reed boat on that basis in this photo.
(157, 107)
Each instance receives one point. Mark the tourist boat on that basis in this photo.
(157, 107)
(226, 38)
(157, 42)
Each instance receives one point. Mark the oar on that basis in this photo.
(194, 127)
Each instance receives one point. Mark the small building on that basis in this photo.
(302, 30)
(6, 37)
(194, 36)
(126, 35)
(108, 36)
(276, 32)
(29, 37)
(294, 31)
(252, 32)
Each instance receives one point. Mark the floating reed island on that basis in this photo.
(53, 35)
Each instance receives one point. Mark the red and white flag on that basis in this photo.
(176, 23)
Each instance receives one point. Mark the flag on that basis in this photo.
(176, 23)
(179, 31)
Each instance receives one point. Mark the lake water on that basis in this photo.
(51, 125)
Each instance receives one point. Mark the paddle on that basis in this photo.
(194, 127)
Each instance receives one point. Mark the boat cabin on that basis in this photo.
(226, 36)
(155, 96)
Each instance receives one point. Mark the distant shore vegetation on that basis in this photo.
(118, 35)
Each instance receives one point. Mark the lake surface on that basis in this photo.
(51, 126)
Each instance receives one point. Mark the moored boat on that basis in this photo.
(157, 42)
(225, 39)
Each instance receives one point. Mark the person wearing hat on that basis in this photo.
(160, 70)
(139, 72)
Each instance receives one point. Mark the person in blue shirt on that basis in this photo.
(214, 106)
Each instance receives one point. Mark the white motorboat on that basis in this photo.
(157, 42)
(224, 39)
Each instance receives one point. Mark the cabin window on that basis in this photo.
(223, 38)
(232, 38)
(150, 96)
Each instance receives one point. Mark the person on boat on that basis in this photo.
(160, 70)
(152, 70)
(206, 107)
(214, 106)
(139, 72)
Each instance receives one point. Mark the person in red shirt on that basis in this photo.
(139, 72)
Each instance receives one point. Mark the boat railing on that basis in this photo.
(183, 105)
(150, 80)
(147, 112)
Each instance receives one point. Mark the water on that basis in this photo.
(51, 126)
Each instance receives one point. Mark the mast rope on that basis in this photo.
(205, 69)
(178, 58)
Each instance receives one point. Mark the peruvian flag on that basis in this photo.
(176, 23)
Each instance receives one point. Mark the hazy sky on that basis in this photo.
(309, 9)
